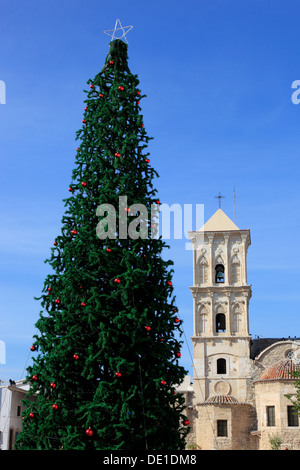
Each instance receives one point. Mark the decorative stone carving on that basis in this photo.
(222, 388)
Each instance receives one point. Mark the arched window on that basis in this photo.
(220, 277)
(220, 322)
(221, 366)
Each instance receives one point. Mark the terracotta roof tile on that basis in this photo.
(280, 371)
(220, 400)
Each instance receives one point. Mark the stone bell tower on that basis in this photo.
(221, 340)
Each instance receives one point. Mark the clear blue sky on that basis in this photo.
(217, 75)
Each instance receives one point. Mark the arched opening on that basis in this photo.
(221, 366)
(220, 276)
(220, 322)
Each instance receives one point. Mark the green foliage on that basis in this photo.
(275, 442)
(295, 398)
(91, 327)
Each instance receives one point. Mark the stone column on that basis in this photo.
(210, 255)
(226, 238)
(243, 260)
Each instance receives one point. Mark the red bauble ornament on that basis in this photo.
(127, 209)
(82, 304)
(118, 374)
(89, 432)
(147, 328)
(91, 86)
(186, 422)
(117, 280)
(85, 108)
(75, 357)
(53, 385)
(83, 183)
(111, 62)
(163, 382)
(176, 320)
(31, 415)
(83, 120)
(49, 289)
(138, 93)
(34, 377)
(169, 283)
(121, 88)
(108, 250)
(178, 354)
(117, 154)
(70, 189)
(55, 406)
(158, 201)
(57, 301)
(147, 160)
(101, 96)
(74, 232)
(55, 243)
(77, 149)
(32, 348)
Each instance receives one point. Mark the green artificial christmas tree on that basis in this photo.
(106, 364)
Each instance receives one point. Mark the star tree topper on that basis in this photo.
(120, 28)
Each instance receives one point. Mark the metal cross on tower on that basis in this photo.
(219, 197)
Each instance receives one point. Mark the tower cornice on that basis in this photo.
(226, 290)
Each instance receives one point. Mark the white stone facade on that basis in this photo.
(11, 410)
(230, 400)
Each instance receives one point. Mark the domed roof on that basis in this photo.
(280, 371)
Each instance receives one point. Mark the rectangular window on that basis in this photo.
(221, 428)
(271, 416)
(292, 414)
(19, 411)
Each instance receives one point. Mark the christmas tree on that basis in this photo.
(106, 366)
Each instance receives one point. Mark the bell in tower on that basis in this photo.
(220, 277)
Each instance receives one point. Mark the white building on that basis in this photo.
(11, 410)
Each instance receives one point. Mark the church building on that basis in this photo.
(237, 397)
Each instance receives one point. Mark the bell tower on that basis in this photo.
(221, 294)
